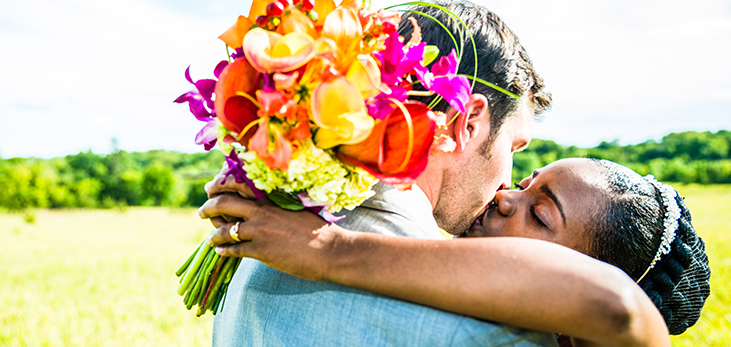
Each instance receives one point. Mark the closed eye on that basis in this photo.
(535, 217)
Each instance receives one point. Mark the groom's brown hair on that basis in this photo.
(501, 58)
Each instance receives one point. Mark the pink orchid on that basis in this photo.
(397, 62)
(443, 80)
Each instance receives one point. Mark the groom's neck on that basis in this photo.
(430, 184)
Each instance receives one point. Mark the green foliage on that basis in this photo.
(687, 157)
(121, 179)
(175, 179)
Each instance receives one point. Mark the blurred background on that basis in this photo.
(92, 145)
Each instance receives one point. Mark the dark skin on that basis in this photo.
(492, 278)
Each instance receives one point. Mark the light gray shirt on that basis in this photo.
(265, 307)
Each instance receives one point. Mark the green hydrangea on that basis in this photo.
(318, 172)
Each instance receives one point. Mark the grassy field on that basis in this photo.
(105, 278)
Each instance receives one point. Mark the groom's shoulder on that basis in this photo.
(394, 212)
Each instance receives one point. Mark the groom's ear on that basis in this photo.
(473, 123)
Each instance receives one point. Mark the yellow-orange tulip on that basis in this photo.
(339, 112)
(271, 52)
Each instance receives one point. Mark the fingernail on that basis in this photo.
(219, 250)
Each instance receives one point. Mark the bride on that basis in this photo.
(501, 269)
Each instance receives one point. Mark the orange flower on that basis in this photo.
(234, 36)
(234, 110)
(339, 111)
(274, 103)
(397, 150)
(271, 52)
(271, 147)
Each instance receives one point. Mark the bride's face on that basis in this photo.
(556, 204)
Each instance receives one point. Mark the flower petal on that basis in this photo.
(343, 26)
(323, 8)
(237, 77)
(276, 154)
(339, 111)
(208, 135)
(395, 152)
(271, 52)
(296, 21)
(455, 89)
(234, 36)
(258, 8)
(365, 75)
(235, 168)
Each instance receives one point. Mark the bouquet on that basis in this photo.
(312, 108)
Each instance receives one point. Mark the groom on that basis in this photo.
(266, 307)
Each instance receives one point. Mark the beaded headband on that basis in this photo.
(672, 214)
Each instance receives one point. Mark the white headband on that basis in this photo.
(672, 215)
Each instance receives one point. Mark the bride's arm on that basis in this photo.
(522, 282)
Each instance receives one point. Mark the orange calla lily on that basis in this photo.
(271, 52)
(234, 110)
(296, 21)
(234, 36)
(365, 75)
(397, 150)
(339, 111)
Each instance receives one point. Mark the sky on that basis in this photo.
(80, 75)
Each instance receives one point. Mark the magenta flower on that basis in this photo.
(200, 102)
(236, 169)
(208, 135)
(395, 63)
(316, 208)
(443, 80)
(382, 104)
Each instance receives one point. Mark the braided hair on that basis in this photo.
(628, 233)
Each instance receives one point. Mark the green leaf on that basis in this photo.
(288, 201)
(430, 54)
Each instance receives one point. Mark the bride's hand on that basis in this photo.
(222, 184)
(300, 246)
(226, 185)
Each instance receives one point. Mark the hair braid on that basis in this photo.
(628, 234)
(679, 283)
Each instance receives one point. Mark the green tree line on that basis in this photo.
(687, 157)
(162, 178)
(88, 180)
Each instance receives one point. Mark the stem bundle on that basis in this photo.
(204, 279)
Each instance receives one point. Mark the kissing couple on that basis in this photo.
(583, 252)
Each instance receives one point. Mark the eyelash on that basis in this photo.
(535, 217)
(532, 209)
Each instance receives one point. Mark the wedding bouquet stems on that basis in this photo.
(204, 279)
